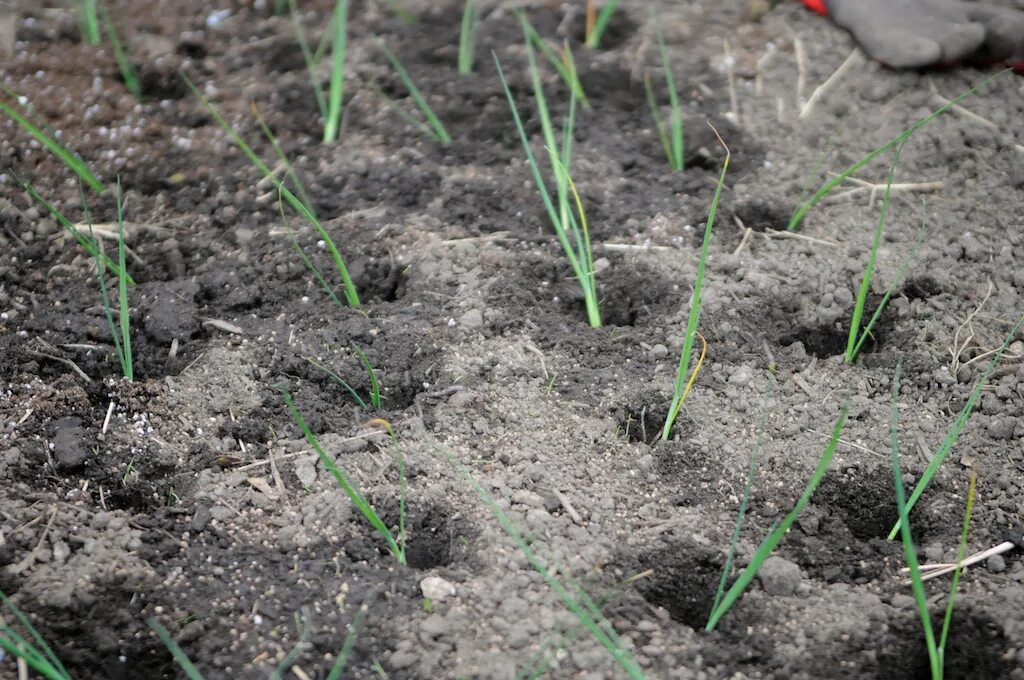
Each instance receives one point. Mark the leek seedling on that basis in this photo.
(779, 532)
(124, 62)
(826, 189)
(339, 24)
(32, 649)
(307, 55)
(436, 129)
(597, 22)
(957, 427)
(581, 605)
(563, 63)
(683, 385)
(671, 135)
(573, 233)
(121, 333)
(88, 21)
(936, 649)
(395, 544)
(303, 208)
(70, 159)
(467, 38)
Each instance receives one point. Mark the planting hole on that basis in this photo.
(644, 423)
(864, 502)
(684, 582)
(431, 532)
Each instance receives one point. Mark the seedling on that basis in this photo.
(826, 189)
(581, 605)
(310, 58)
(374, 384)
(683, 385)
(597, 22)
(88, 21)
(776, 535)
(671, 135)
(70, 159)
(339, 25)
(957, 427)
(303, 208)
(573, 232)
(124, 62)
(32, 649)
(396, 544)
(121, 333)
(467, 37)
(176, 651)
(436, 128)
(936, 649)
(563, 63)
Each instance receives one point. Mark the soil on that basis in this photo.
(191, 497)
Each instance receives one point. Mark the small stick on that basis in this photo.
(823, 89)
(801, 69)
(772, 233)
(957, 349)
(956, 108)
(106, 420)
(944, 568)
(569, 509)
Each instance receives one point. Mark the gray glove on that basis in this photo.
(919, 33)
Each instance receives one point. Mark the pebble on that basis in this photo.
(779, 576)
(997, 564)
(659, 351)
(436, 589)
(474, 318)
(305, 471)
(68, 443)
(741, 376)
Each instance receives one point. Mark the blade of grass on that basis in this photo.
(304, 210)
(826, 189)
(658, 120)
(71, 160)
(374, 384)
(88, 21)
(400, 460)
(467, 38)
(289, 660)
(585, 256)
(961, 550)
(597, 625)
(869, 268)
(600, 25)
(364, 507)
(779, 532)
(339, 23)
(176, 652)
(678, 394)
(675, 112)
(405, 115)
(309, 264)
(339, 380)
(307, 55)
(917, 584)
(350, 644)
(957, 427)
(568, 75)
(121, 56)
(437, 128)
(36, 652)
(127, 364)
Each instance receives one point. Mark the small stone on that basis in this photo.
(779, 576)
(305, 471)
(201, 519)
(69, 447)
(1001, 427)
(741, 376)
(997, 564)
(437, 589)
(474, 318)
(659, 351)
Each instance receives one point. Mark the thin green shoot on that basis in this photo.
(121, 332)
(177, 653)
(301, 207)
(467, 37)
(396, 545)
(827, 187)
(88, 21)
(438, 131)
(671, 135)
(372, 374)
(855, 332)
(88, 244)
(961, 551)
(402, 479)
(405, 115)
(121, 56)
(820, 163)
(406, 16)
(916, 582)
(562, 63)
(741, 513)
(339, 25)
(307, 55)
(305, 632)
(680, 390)
(598, 22)
(900, 275)
(573, 233)
(33, 649)
(306, 260)
(340, 381)
(300, 188)
(349, 645)
(957, 427)
(779, 532)
(589, 616)
(69, 158)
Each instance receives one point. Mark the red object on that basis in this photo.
(816, 6)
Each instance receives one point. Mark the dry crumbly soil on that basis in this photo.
(191, 497)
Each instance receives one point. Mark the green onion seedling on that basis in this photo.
(88, 21)
(70, 159)
(339, 26)
(776, 535)
(563, 63)
(121, 332)
(467, 37)
(33, 649)
(308, 56)
(437, 129)
(597, 22)
(121, 56)
(826, 189)
(671, 135)
(682, 385)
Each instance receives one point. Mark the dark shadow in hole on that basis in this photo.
(644, 423)
(761, 216)
(865, 502)
(684, 582)
(430, 528)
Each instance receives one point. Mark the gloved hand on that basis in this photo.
(920, 33)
